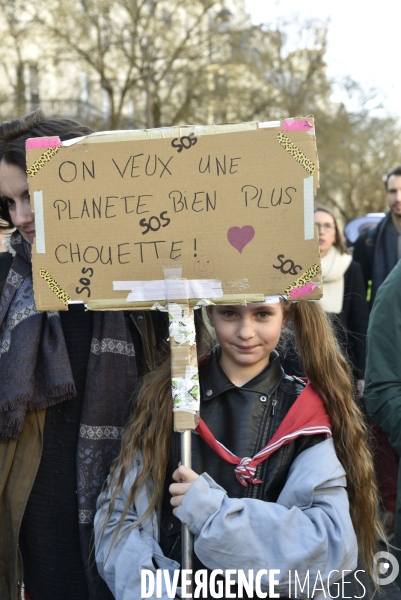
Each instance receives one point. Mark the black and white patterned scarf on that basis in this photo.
(34, 368)
(35, 373)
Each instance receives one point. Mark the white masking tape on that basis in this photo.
(170, 289)
(39, 222)
(185, 391)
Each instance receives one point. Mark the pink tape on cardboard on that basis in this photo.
(48, 142)
(296, 125)
(303, 290)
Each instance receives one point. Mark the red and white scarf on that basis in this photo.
(307, 416)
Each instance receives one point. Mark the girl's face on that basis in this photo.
(247, 335)
(327, 231)
(14, 191)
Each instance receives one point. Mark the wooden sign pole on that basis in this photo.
(185, 390)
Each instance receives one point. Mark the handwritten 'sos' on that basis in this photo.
(85, 281)
(287, 266)
(186, 141)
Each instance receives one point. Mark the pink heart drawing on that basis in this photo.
(239, 237)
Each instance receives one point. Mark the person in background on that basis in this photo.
(383, 383)
(66, 380)
(344, 293)
(379, 249)
(344, 297)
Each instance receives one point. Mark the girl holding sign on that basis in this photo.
(278, 465)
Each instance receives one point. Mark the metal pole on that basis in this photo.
(184, 375)
(186, 535)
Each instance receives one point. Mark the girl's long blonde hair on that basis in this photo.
(150, 426)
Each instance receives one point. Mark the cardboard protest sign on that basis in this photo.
(225, 213)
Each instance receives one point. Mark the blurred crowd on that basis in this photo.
(360, 287)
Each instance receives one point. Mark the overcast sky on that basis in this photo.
(363, 39)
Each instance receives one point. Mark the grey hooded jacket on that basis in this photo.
(308, 530)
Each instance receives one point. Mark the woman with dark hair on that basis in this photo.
(344, 293)
(65, 385)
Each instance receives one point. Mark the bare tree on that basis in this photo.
(147, 54)
(16, 30)
(152, 63)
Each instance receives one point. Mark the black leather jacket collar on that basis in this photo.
(213, 380)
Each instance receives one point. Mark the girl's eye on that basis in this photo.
(10, 203)
(229, 313)
(263, 315)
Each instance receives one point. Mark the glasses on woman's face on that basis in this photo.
(324, 226)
